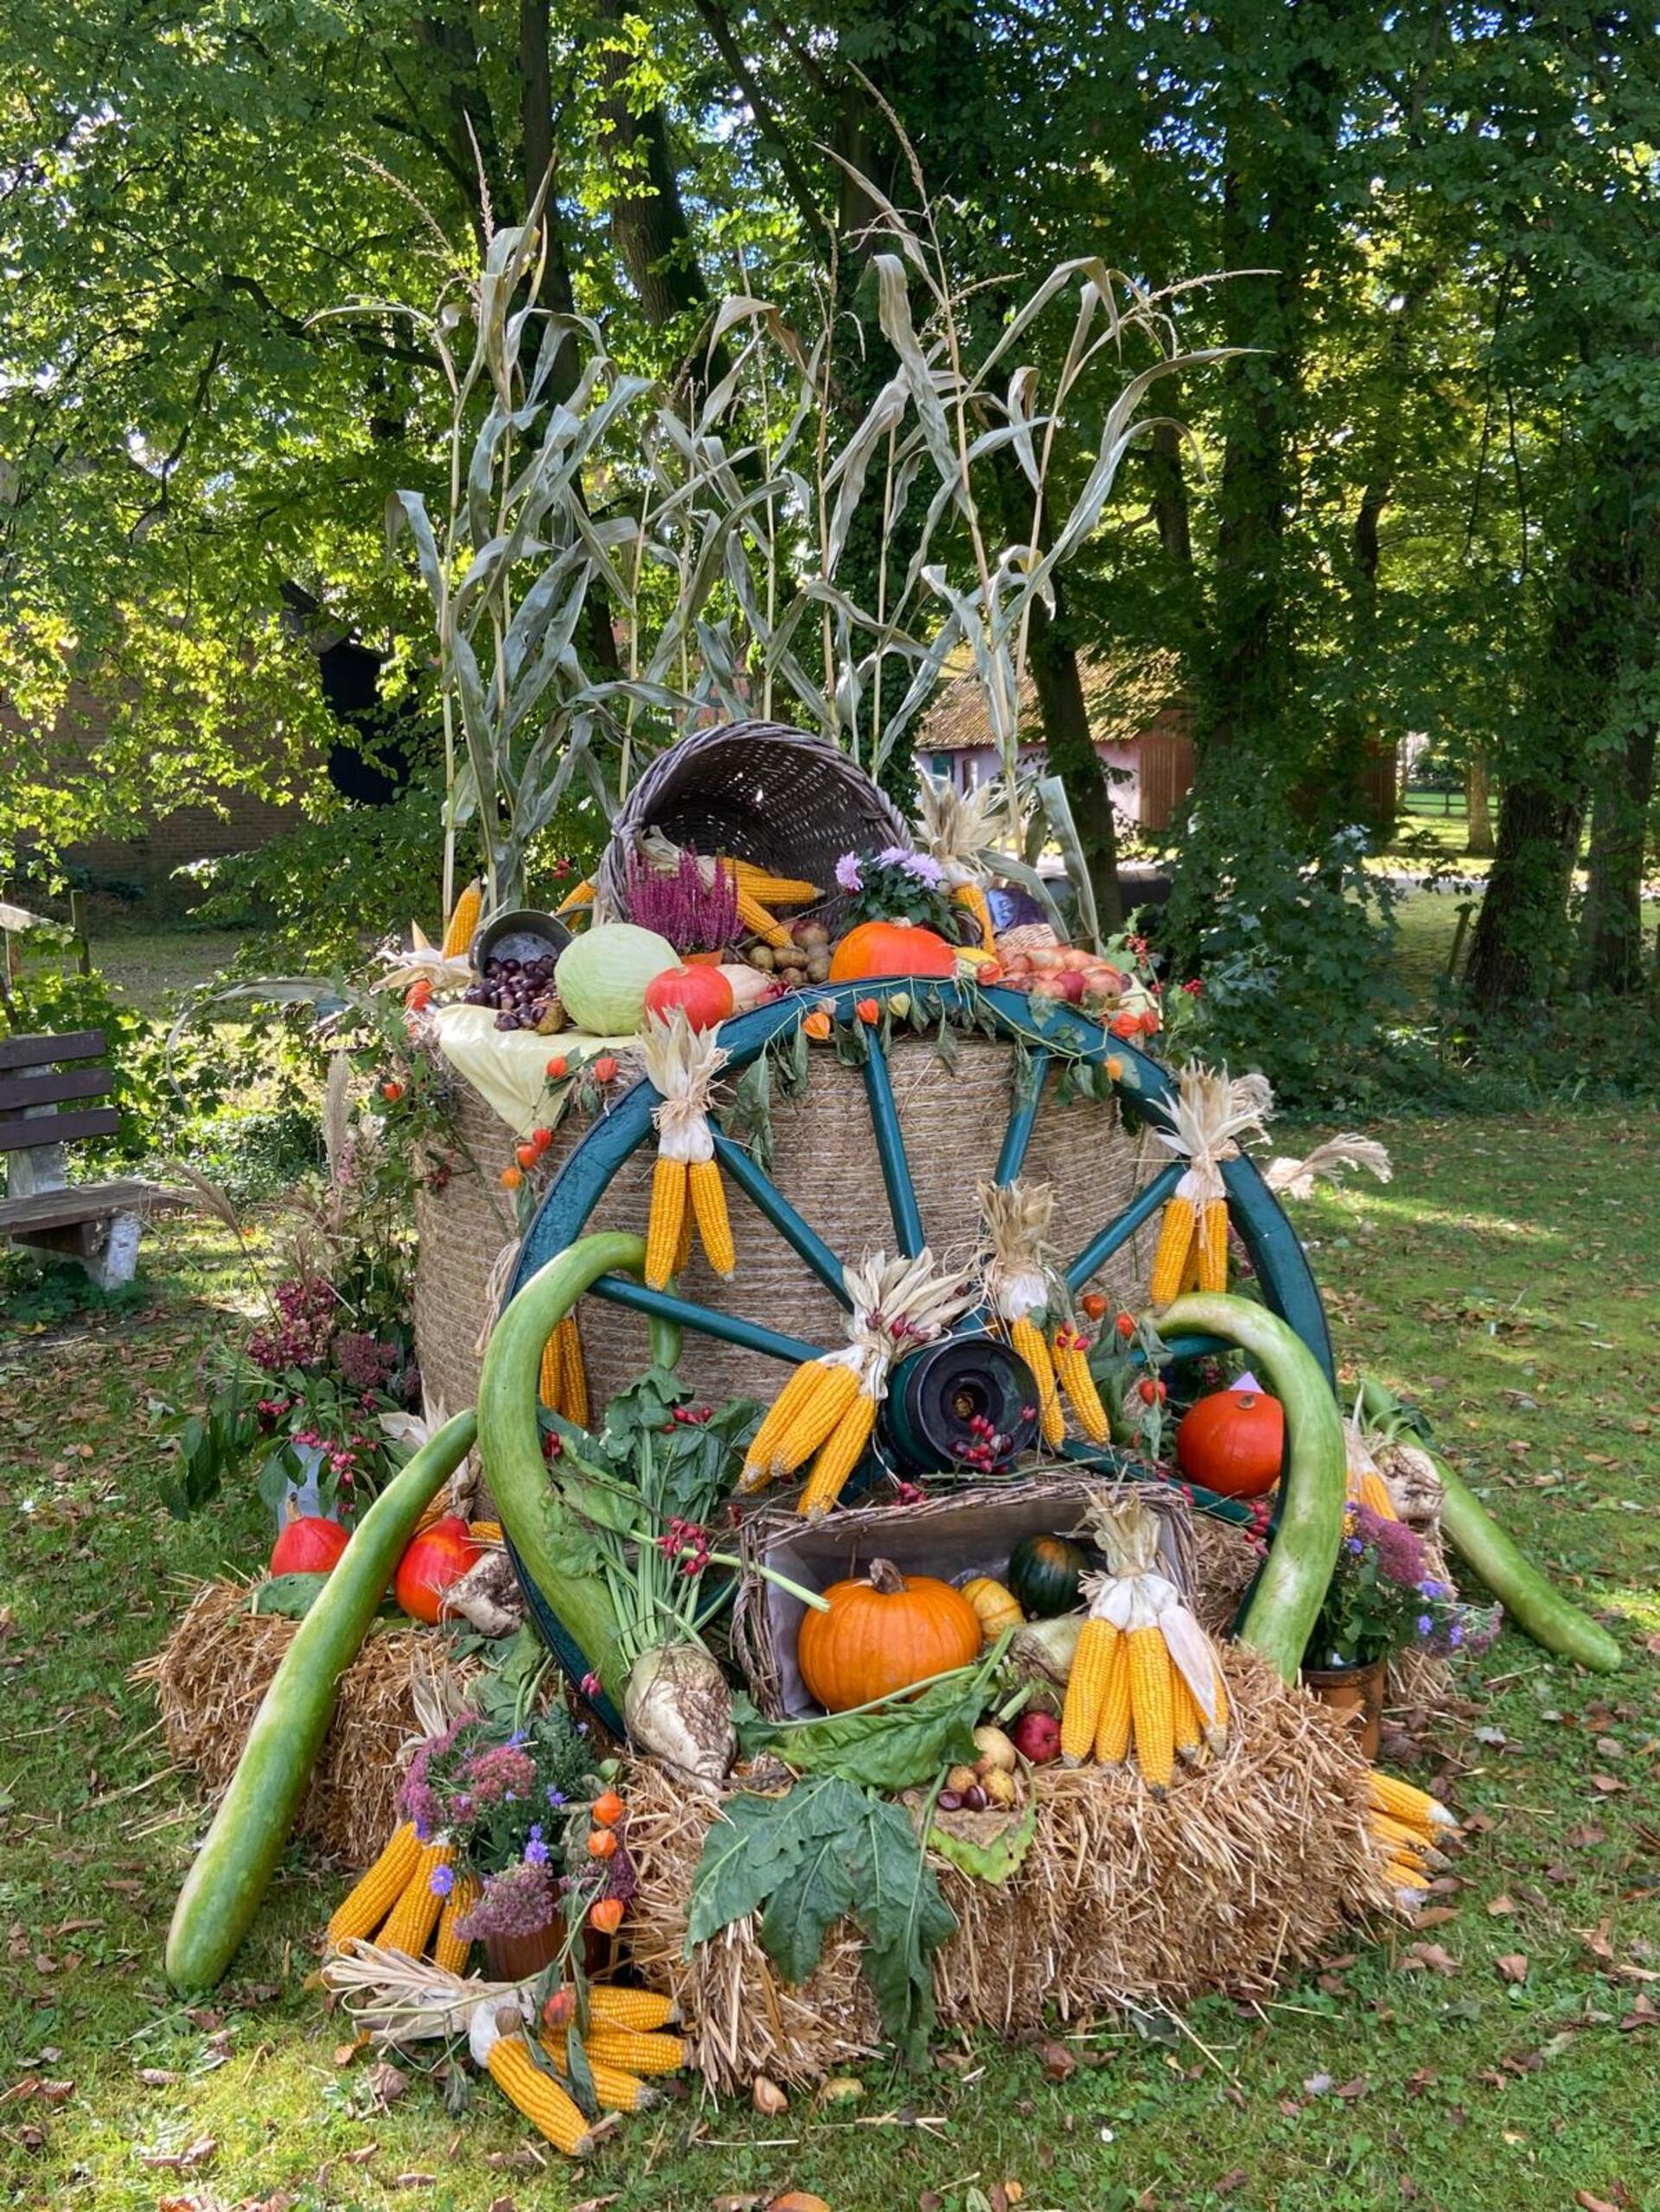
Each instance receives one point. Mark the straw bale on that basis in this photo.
(1244, 1873)
(213, 1669)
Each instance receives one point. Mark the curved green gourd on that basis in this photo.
(1528, 1599)
(1280, 1612)
(510, 1442)
(232, 1870)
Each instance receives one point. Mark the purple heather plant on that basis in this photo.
(694, 915)
(1382, 1598)
(515, 1902)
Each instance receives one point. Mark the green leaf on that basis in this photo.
(893, 1748)
(989, 1861)
(905, 1918)
(758, 1845)
(290, 1596)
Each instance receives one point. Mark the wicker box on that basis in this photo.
(955, 1535)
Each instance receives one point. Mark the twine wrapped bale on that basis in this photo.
(787, 800)
(1244, 1872)
(211, 1674)
(825, 1162)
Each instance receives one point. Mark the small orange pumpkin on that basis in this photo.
(995, 1608)
(881, 1634)
(891, 949)
(1232, 1443)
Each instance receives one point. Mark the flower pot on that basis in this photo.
(1357, 1693)
(706, 959)
(517, 1958)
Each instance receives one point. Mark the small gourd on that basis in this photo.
(996, 1607)
(883, 1634)
(1044, 1575)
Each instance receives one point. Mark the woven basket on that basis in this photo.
(825, 1163)
(962, 1533)
(757, 791)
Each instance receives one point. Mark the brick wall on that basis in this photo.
(226, 821)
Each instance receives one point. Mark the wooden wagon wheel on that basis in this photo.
(1061, 1035)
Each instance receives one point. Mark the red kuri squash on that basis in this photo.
(1233, 1442)
(439, 1556)
(309, 1545)
(702, 992)
(891, 949)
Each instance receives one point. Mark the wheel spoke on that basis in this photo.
(1146, 1203)
(1017, 1136)
(890, 1151)
(769, 1200)
(708, 1320)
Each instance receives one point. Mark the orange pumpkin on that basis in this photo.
(891, 949)
(441, 1553)
(882, 1634)
(1233, 1442)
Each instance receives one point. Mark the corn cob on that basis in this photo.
(1191, 1267)
(581, 895)
(1189, 1722)
(1086, 1690)
(1152, 1707)
(759, 921)
(838, 1456)
(1078, 1385)
(1401, 1836)
(1404, 1801)
(708, 1196)
(773, 891)
(642, 2054)
(1405, 1876)
(1113, 1727)
(416, 1913)
(538, 2096)
(374, 1894)
(972, 899)
(1175, 1236)
(616, 2089)
(639, 2010)
(464, 920)
(450, 1950)
(683, 1249)
(667, 1215)
(485, 1532)
(573, 1372)
(1027, 1339)
(548, 1380)
(801, 1417)
(1373, 1491)
(1213, 1245)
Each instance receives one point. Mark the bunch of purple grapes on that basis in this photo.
(521, 991)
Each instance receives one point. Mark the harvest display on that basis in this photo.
(904, 1530)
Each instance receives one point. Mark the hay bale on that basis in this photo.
(1246, 1870)
(211, 1674)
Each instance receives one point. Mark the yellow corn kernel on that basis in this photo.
(1175, 1236)
(1405, 1876)
(714, 1225)
(573, 1372)
(838, 1456)
(1078, 1385)
(759, 921)
(464, 920)
(683, 1248)
(637, 2009)
(1404, 1801)
(581, 895)
(807, 1410)
(773, 891)
(649, 2054)
(547, 1381)
(374, 1894)
(415, 1915)
(760, 1461)
(538, 2096)
(1151, 1708)
(972, 899)
(668, 1215)
(1027, 1339)
(1113, 1727)
(1373, 1490)
(1086, 1690)
(1213, 1246)
(1188, 1720)
(450, 1950)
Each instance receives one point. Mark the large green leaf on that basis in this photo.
(893, 1748)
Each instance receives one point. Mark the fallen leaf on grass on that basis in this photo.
(1059, 2063)
(158, 2077)
(1608, 1785)
(1433, 1958)
(1587, 2203)
(767, 2097)
(387, 2084)
(1434, 1915)
(1642, 2015)
(1512, 1967)
(1352, 2091)
(1497, 1907)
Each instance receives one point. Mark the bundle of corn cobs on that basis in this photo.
(1406, 1822)
(1146, 1682)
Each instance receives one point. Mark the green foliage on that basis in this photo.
(892, 1747)
(39, 1293)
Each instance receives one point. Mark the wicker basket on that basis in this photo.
(780, 797)
(825, 1163)
(956, 1535)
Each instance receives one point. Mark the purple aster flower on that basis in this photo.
(535, 1849)
(555, 1797)
(847, 873)
(1455, 1634)
(442, 1881)
(1425, 1624)
(923, 867)
(1355, 1545)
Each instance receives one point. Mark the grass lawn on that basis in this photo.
(1509, 1274)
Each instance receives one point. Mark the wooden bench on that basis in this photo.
(42, 1107)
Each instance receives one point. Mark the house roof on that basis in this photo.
(1120, 698)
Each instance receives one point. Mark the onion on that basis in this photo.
(677, 1707)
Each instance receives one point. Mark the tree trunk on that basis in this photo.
(1513, 953)
(648, 224)
(1611, 929)
(1478, 838)
(1071, 754)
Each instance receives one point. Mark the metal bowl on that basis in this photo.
(519, 933)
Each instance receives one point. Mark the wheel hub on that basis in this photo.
(966, 1401)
